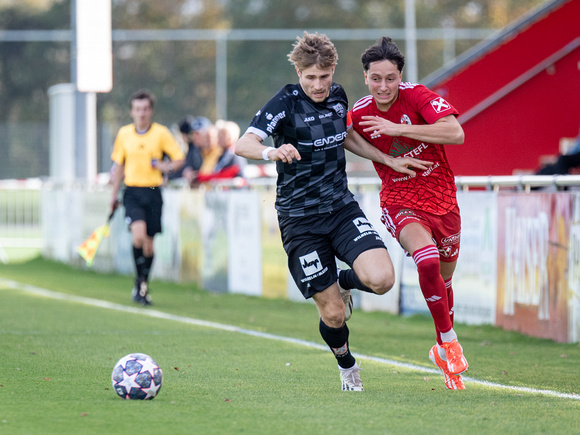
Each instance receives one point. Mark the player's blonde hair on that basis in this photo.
(313, 49)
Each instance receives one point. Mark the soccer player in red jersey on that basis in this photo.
(420, 210)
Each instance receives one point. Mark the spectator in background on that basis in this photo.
(193, 159)
(138, 159)
(229, 165)
(192, 131)
(210, 149)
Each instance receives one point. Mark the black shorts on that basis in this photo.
(144, 204)
(314, 242)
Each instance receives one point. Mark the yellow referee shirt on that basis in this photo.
(136, 151)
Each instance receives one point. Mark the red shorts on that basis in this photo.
(445, 229)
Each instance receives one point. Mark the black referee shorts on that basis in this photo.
(144, 204)
(313, 242)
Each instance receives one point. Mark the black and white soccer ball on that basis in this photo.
(137, 377)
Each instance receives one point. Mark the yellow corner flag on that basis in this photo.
(88, 249)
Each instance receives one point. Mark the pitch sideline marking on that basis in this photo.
(188, 320)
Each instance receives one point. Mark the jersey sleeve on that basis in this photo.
(270, 118)
(118, 154)
(170, 146)
(432, 106)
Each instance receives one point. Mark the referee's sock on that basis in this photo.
(139, 261)
(147, 267)
(348, 279)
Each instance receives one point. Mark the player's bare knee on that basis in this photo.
(381, 283)
(334, 318)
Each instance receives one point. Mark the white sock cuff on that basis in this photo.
(448, 336)
(441, 352)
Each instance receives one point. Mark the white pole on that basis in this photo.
(91, 132)
(412, 74)
(221, 77)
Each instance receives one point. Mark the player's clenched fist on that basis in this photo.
(287, 153)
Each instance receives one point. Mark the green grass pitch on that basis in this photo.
(57, 356)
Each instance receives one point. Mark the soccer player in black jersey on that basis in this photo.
(318, 216)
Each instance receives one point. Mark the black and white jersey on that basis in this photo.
(317, 183)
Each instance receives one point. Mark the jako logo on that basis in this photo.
(362, 224)
(311, 263)
(330, 139)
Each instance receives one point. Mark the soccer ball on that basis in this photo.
(137, 377)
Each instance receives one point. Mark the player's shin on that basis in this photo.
(337, 340)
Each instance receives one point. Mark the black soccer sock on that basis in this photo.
(147, 267)
(139, 261)
(348, 279)
(337, 340)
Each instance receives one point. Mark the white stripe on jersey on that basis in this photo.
(363, 102)
(407, 85)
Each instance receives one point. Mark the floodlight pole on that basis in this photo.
(85, 115)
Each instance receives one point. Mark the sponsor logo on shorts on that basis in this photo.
(362, 224)
(365, 228)
(451, 240)
(311, 263)
(446, 252)
(405, 212)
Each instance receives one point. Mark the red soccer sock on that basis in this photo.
(433, 288)
(449, 286)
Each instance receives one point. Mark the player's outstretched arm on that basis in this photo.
(445, 131)
(358, 145)
(250, 146)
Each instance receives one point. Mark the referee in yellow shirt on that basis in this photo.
(138, 159)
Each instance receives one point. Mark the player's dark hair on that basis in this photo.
(384, 49)
(143, 94)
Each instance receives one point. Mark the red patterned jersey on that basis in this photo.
(432, 190)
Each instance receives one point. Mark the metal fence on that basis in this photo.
(21, 214)
(20, 219)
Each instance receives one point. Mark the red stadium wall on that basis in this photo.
(520, 96)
